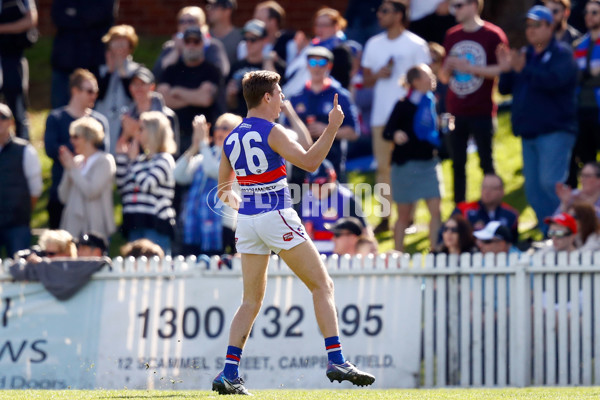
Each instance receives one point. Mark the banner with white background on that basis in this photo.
(170, 331)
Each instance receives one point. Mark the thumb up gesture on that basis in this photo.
(336, 115)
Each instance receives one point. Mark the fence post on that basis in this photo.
(520, 329)
(454, 376)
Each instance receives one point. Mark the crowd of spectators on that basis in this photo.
(415, 81)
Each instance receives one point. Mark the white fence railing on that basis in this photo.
(506, 320)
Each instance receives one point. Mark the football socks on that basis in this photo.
(232, 362)
(334, 350)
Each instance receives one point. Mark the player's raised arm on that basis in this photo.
(309, 160)
(226, 177)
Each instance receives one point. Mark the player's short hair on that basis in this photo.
(274, 9)
(89, 128)
(256, 83)
(79, 76)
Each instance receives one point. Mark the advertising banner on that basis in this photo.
(163, 331)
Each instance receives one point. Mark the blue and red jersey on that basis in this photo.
(259, 170)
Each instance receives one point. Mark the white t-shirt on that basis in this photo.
(422, 8)
(407, 50)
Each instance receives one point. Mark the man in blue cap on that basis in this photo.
(542, 78)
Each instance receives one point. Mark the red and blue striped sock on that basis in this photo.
(334, 350)
(232, 362)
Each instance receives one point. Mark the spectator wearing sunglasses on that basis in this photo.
(561, 11)
(457, 236)
(55, 244)
(255, 38)
(190, 86)
(562, 233)
(313, 102)
(172, 50)
(494, 238)
(346, 232)
(84, 91)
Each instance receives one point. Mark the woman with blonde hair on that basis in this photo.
(86, 185)
(57, 243)
(145, 181)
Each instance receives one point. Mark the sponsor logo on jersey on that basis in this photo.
(288, 236)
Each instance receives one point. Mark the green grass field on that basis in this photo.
(359, 394)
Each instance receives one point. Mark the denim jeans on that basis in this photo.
(15, 239)
(546, 161)
(164, 241)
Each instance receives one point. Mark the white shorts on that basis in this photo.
(271, 231)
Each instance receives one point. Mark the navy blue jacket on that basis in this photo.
(543, 92)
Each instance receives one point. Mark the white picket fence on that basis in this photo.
(506, 320)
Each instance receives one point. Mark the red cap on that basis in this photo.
(563, 219)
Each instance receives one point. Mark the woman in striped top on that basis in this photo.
(145, 180)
